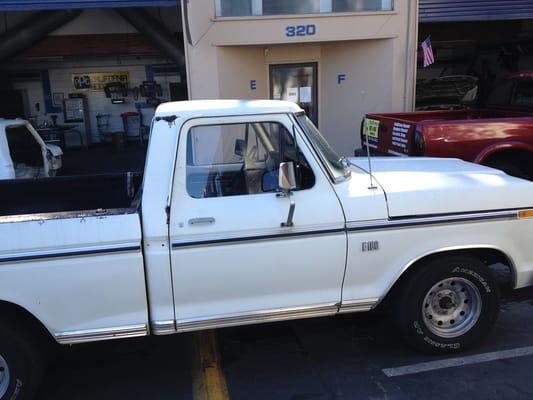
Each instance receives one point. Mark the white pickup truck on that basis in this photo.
(24, 154)
(245, 215)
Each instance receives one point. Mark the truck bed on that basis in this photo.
(463, 134)
(451, 115)
(62, 194)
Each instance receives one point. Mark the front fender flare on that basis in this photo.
(502, 146)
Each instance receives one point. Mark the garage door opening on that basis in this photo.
(473, 59)
(88, 80)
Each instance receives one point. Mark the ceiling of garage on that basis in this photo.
(474, 10)
(28, 5)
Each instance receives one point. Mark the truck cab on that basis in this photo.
(24, 154)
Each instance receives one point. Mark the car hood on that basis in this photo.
(428, 186)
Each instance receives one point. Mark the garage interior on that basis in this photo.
(475, 43)
(89, 79)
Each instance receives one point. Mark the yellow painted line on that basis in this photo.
(209, 382)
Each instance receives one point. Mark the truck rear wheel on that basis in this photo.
(21, 365)
(447, 305)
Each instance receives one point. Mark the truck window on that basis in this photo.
(524, 94)
(501, 94)
(240, 159)
(23, 148)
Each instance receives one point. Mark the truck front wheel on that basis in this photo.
(21, 365)
(447, 305)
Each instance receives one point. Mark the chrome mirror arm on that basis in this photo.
(289, 222)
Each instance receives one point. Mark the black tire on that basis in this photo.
(25, 363)
(418, 326)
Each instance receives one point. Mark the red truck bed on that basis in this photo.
(499, 136)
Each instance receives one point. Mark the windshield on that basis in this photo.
(335, 164)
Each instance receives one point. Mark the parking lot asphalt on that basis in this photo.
(327, 358)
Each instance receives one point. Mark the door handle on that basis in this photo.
(198, 221)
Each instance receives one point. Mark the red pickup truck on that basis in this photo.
(499, 136)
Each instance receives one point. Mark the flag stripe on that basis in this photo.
(429, 57)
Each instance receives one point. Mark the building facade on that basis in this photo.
(338, 59)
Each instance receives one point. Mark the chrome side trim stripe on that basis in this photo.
(73, 252)
(256, 317)
(273, 236)
(392, 223)
(163, 327)
(93, 335)
(358, 305)
(431, 220)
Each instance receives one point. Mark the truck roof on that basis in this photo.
(4, 123)
(213, 108)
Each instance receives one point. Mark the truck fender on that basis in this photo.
(480, 251)
(502, 146)
(21, 315)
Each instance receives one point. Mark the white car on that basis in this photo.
(24, 154)
(246, 215)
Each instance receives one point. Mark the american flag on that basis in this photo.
(429, 58)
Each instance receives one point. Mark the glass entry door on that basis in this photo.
(296, 83)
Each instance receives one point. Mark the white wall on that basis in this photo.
(366, 89)
(375, 50)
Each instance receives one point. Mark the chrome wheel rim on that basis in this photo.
(451, 307)
(4, 376)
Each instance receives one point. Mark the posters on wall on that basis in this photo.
(305, 94)
(96, 81)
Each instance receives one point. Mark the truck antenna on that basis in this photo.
(372, 186)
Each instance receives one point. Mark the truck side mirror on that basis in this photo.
(287, 177)
(286, 184)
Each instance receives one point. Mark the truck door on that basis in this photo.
(232, 261)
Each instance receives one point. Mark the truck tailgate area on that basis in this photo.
(82, 275)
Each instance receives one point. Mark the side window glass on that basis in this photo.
(23, 148)
(240, 159)
(524, 94)
(501, 94)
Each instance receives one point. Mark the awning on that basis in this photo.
(34, 5)
(474, 10)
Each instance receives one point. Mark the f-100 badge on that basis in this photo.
(370, 246)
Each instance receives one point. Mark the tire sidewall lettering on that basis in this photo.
(475, 275)
(443, 346)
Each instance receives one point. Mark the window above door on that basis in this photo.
(247, 8)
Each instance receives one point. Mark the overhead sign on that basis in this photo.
(96, 81)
